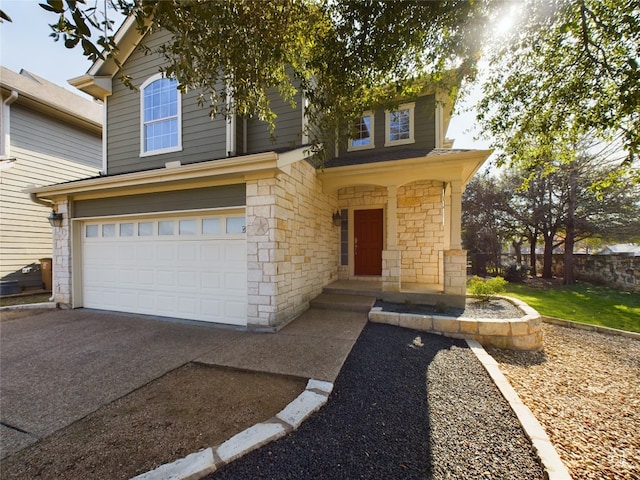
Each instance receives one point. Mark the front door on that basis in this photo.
(368, 236)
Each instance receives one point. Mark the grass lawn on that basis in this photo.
(582, 303)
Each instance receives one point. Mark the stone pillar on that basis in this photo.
(391, 254)
(61, 260)
(261, 253)
(455, 272)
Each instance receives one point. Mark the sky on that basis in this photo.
(25, 44)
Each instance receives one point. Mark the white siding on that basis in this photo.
(46, 152)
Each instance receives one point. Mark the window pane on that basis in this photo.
(91, 231)
(109, 230)
(399, 125)
(165, 227)
(187, 227)
(145, 229)
(363, 132)
(235, 225)
(211, 226)
(160, 115)
(126, 229)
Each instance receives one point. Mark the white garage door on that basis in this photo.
(183, 267)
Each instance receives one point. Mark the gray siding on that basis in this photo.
(203, 138)
(49, 136)
(424, 130)
(288, 131)
(194, 199)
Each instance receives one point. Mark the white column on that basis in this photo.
(455, 215)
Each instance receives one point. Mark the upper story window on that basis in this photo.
(399, 125)
(161, 116)
(364, 133)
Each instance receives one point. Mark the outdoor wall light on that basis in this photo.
(55, 219)
(337, 218)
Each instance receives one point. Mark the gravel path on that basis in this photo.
(406, 405)
(584, 388)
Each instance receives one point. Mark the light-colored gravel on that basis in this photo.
(584, 388)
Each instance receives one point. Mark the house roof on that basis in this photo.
(97, 81)
(49, 98)
(375, 156)
(621, 248)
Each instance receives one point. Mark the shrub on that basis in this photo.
(486, 289)
(516, 272)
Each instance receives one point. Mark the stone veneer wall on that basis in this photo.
(61, 282)
(421, 232)
(292, 245)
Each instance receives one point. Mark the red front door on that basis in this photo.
(368, 235)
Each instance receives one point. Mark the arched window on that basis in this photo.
(160, 113)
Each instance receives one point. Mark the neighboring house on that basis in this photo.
(48, 135)
(628, 249)
(214, 220)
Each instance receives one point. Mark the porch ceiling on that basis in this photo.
(436, 165)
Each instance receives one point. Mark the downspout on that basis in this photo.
(51, 204)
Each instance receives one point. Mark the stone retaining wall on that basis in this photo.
(615, 271)
(524, 333)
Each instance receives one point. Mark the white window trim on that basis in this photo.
(178, 147)
(387, 131)
(351, 147)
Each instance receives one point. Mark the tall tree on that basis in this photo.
(569, 67)
(345, 56)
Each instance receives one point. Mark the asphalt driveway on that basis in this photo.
(59, 366)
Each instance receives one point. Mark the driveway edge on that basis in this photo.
(551, 462)
(199, 464)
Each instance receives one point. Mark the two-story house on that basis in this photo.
(217, 220)
(48, 135)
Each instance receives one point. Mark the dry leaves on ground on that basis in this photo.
(584, 388)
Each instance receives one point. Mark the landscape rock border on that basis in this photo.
(554, 468)
(199, 464)
(523, 333)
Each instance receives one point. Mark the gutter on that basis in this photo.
(47, 203)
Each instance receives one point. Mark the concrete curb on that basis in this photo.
(29, 306)
(551, 462)
(588, 327)
(206, 461)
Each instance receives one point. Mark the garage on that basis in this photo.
(182, 266)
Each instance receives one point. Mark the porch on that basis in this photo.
(419, 294)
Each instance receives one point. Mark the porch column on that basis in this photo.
(453, 215)
(391, 255)
(455, 258)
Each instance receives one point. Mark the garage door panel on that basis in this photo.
(187, 279)
(145, 277)
(210, 280)
(235, 280)
(200, 276)
(166, 278)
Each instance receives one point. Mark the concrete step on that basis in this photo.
(348, 303)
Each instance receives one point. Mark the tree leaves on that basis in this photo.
(569, 68)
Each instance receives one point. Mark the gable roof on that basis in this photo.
(51, 99)
(97, 81)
